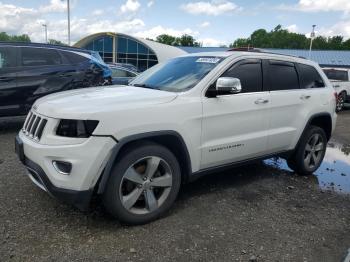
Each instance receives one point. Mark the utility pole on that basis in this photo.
(68, 12)
(45, 26)
(312, 39)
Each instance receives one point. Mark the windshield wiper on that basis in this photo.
(144, 86)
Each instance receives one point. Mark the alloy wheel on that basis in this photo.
(145, 185)
(314, 151)
(340, 102)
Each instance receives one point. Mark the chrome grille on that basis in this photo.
(34, 126)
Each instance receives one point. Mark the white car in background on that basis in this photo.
(340, 78)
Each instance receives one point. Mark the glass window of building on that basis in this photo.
(127, 50)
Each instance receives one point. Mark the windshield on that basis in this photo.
(340, 75)
(178, 74)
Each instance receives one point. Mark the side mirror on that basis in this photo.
(228, 85)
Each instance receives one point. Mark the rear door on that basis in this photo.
(235, 126)
(8, 72)
(292, 97)
(42, 71)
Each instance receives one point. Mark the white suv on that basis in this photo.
(135, 145)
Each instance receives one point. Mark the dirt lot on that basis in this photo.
(261, 211)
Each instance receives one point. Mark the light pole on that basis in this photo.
(312, 39)
(68, 16)
(68, 13)
(45, 26)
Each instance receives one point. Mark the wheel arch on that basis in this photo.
(168, 138)
(322, 120)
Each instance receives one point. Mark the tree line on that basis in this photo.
(261, 38)
(282, 38)
(276, 38)
(4, 37)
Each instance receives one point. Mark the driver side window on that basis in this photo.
(249, 72)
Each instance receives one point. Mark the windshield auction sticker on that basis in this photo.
(211, 60)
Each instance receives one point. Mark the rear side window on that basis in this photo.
(40, 57)
(7, 57)
(333, 74)
(249, 73)
(309, 77)
(74, 58)
(281, 75)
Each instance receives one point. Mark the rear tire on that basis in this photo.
(143, 185)
(310, 151)
(340, 101)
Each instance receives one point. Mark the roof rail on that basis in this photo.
(257, 50)
(45, 45)
(245, 48)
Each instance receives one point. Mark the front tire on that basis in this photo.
(310, 151)
(144, 184)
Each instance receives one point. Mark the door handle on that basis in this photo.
(304, 97)
(261, 101)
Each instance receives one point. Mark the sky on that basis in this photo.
(211, 22)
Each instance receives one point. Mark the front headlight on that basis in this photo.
(76, 128)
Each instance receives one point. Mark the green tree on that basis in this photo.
(241, 42)
(184, 40)
(167, 39)
(56, 42)
(188, 40)
(282, 38)
(14, 38)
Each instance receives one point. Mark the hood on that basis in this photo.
(87, 102)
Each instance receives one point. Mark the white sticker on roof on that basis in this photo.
(211, 60)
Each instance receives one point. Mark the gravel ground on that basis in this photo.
(253, 213)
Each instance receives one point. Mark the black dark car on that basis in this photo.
(29, 71)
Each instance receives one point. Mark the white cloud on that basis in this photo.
(130, 6)
(340, 28)
(98, 12)
(12, 17)
(150, 3)
(54, 6)
(318, 6)
(292, 28)
(204, 24)
(19, 20)
(211, 42)
(159, 30)
(213, 7)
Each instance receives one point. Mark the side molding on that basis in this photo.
(151, 135)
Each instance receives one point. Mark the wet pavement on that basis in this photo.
(333, 174)
(260, 211)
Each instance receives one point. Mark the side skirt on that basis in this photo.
(211, 170)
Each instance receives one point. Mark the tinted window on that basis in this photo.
(40, 57)
(75, 58)
(309, 77)
(7, 57)
(281, 75)
(250, 74)
(333, 74)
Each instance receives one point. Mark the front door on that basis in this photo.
(234, 126)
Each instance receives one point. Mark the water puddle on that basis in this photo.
(333, 174)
